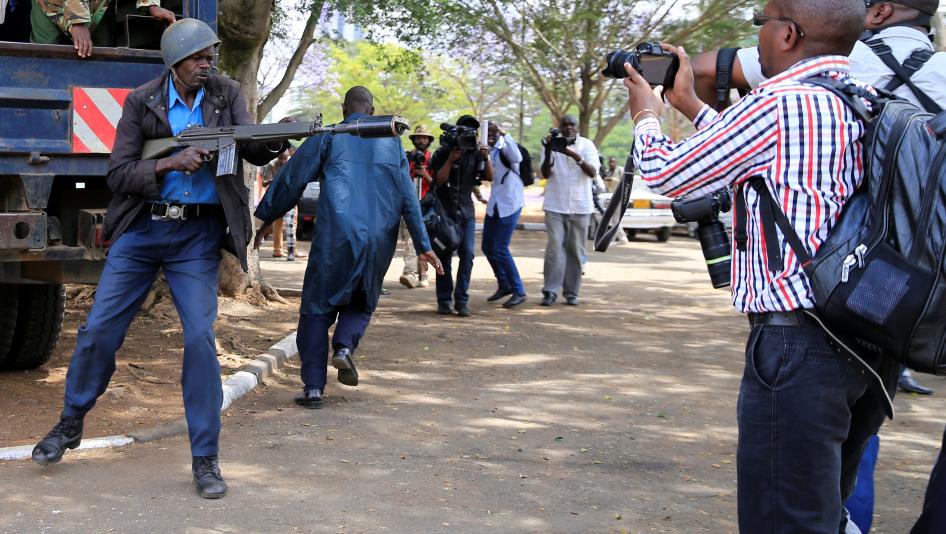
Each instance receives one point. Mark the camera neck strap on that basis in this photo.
(617, 207)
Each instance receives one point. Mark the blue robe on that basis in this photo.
(365, 191)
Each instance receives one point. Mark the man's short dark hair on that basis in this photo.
(569, 119)
(830, 26)
(359, 99)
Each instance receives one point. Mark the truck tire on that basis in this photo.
(8, 310)
(38, 326)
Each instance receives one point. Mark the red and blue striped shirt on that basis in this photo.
(801, 139)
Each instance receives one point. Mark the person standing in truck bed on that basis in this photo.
(81, 22)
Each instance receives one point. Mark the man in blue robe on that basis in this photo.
(365, 191)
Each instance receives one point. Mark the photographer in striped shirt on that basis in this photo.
(805, 409)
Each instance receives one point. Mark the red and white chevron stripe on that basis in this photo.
(95, 114)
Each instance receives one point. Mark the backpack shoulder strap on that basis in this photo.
(911, 65)
(502, 157)
(770, 212)
(725, 61)
(903, 75)
(850, 94)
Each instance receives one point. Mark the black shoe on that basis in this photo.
(444, 309)
(463, 311)
(310, 398)
(909, 384)
(67, 434)
(210, 484)
(571, 301)
(548, 298)
(514, 301)
(341, 360)
(500, 293)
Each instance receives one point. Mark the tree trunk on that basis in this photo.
(244, 27)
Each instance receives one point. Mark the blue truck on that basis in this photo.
(58, 115)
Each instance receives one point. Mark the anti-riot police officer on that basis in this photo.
(173, 214)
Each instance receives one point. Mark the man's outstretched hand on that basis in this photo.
(429, 258)
(264, 230)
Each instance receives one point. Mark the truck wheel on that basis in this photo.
(38, 325)
(663, 235)
(8, 309)
(631, 233)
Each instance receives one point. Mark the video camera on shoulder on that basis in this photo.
(459, 137)
(558, 141)
(657, 66)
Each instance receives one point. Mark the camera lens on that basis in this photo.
(616, 61)
(716, 249)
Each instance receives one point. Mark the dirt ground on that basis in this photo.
(145, 390)
(616, 416)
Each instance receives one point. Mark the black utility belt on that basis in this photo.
(792, 318)
(175, 211)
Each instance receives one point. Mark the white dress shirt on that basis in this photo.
(568, 189)
(506, 194)
(867, 67)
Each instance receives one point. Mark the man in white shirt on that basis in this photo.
(506, 200)
(568, 207)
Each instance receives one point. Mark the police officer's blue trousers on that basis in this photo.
(312, 338)
(189, 253)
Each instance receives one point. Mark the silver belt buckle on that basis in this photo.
(176, 213)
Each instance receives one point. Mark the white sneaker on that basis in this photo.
(408, 280)
(424, 281)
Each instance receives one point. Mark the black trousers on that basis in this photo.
(805, 413)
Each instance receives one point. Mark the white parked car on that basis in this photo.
(647, 212)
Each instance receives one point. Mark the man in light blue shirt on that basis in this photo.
(187, 188)
(502, 213)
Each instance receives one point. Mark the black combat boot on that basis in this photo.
(67, 434)
(210, 484)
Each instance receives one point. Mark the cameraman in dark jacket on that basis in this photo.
(456, 173)
(172, 214)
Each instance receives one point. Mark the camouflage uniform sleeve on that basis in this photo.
(65, 13)
(143, 4)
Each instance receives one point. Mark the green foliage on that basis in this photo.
(402, 81)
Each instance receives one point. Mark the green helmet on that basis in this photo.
(186, 37)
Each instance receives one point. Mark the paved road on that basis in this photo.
(615, 416)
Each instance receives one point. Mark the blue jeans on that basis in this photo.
(445, 287)
(804, 415)
(933, 519)
(189, 253)
(497, 234)
(312, 338)
(861, 503)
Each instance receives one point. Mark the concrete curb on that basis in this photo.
(235, 386)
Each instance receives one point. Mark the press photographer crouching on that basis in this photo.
(458, 166)
(801, 429)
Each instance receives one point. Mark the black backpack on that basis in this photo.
(526, 174)
(879, 280)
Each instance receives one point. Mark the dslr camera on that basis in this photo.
(416, 157)
(714, 239)
(557, 140)
(652, 62)
(459, 137)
